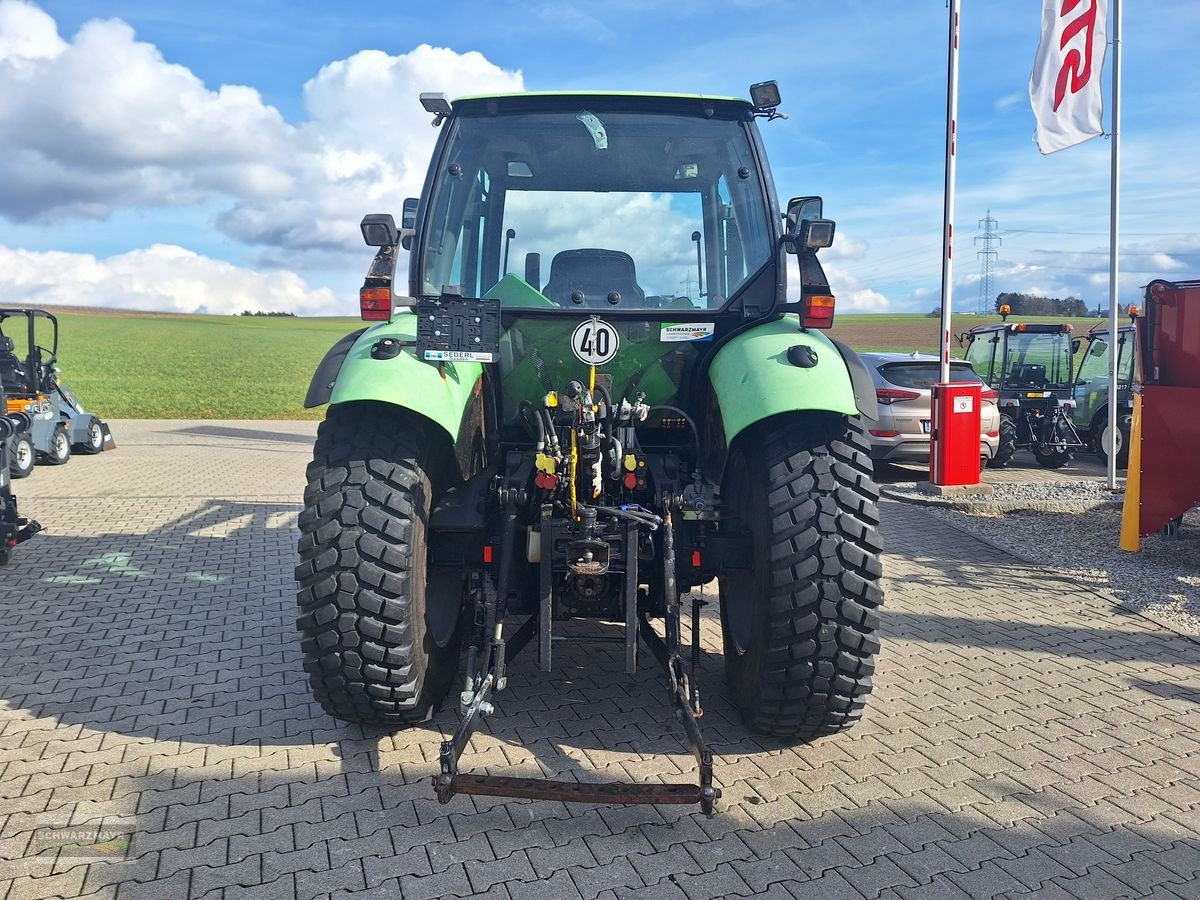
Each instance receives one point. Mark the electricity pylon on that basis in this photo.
(987, 256)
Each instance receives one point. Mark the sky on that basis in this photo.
(217, 157)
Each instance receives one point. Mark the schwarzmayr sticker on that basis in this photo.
(687, 331)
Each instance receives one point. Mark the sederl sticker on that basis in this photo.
(686, 331)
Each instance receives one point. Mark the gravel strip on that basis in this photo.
(1049, 496)
(1162, 581)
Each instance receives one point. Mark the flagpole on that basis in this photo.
(1113, 243)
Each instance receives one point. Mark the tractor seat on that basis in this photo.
(12, 373)
(1028, 375)
(596, 273)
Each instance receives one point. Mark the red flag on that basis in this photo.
(1064, 88)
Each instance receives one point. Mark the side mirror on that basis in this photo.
(1075, 346)
(408, 222)
(806, 229)
(379, 230)
(801, 208)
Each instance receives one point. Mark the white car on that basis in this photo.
(904, 388)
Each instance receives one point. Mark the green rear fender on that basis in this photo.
(443, 397)
(753, 379)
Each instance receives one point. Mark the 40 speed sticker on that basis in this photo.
(595, 342)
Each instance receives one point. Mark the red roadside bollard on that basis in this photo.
(954, 434)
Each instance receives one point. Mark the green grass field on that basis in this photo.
(134, 366)
(126, 365)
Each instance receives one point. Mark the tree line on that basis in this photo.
(1032, 305)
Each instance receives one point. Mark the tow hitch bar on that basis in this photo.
(684, 697)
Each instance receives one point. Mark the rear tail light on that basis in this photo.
(993, 434)
(990, 395)
(375, 304)
(818, 311)
(889, 396)
(884, 434)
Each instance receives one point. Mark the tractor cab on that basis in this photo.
(29, 372)
(1030, 366)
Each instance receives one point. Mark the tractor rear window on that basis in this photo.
(604, 208)
(924, 375)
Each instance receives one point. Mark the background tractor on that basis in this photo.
(1029, 365)
(642, 410)
(1091, 390)
(29, 372)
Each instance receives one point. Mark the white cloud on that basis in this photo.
(1008, 101)
(26, 33)
(160, 277)
(103, 122)
(364, 149)
(1164, 262)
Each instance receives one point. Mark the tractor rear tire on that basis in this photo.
(1007, 447)
(59, 453)
(374, 653)
(799, 622)
(21, 456)
(1124, 428)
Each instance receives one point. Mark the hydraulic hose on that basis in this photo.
(648, 519)
(540, 425)
(608, 407)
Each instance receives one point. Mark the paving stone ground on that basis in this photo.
(1026, 735)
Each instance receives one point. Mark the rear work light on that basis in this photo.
(889, 396)
(375, 304)
(818, 311)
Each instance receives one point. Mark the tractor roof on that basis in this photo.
(1022, 327)
(601, 101)
(594, 94)
(1097, 330)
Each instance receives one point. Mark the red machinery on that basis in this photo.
(1166, 483)
(954, 446)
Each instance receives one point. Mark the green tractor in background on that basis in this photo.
(636, 411)
(1091, 389)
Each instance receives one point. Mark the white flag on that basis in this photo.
(1065, 85)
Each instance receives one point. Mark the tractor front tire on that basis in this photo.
(799, 621)
(95, 439)
(374, 653)
(1007, 446)
(21, 456)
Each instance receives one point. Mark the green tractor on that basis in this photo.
(1091, 389)
(638, 410)
(1029, 366)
